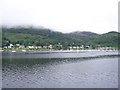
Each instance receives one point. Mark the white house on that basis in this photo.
(82, 46)
(21, 46)
(5, 47)
(78, 47)
(39, 46)
(50, 46)
(10, 46)
(74, 47)
(30, 47)
(44, 46)
(18, 45)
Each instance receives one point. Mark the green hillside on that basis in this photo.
(42, 36)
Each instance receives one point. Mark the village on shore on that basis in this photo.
(54, 47)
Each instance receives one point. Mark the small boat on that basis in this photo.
(23, 50)
(77, 50)
(1, 50)
(13, 51)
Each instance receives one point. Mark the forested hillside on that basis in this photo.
(42, 36)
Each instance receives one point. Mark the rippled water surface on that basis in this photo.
(59, 70)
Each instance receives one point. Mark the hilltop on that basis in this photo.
(83, 33)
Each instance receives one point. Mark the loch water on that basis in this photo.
(54, 69)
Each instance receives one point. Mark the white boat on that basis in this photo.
(23, 50)
(13, 51)
(1, 50)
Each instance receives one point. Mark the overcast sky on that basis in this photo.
(98, 16)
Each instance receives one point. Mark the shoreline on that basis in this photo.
(24, 50)
(57, 54)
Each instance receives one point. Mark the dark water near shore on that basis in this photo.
(60, 70)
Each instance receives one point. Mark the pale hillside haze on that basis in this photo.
(99, 16)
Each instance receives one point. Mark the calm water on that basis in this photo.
(59, 69)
